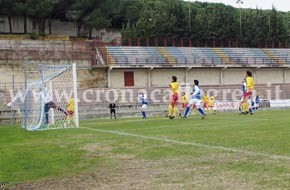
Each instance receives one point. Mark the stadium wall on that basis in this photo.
(272, 75)
(206, 76)
(114, 78)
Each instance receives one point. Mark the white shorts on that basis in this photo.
(144, 106)
(196, 102)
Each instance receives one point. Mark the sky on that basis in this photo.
(281, 5)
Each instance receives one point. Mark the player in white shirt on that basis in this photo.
(144, 102)
(195, 99)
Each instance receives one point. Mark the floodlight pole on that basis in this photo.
(189, 17)
(241, 27)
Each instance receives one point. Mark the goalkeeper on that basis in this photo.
(70, 109)
(49, 103)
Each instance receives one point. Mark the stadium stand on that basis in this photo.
(246, 56)
(134, 55)
(192, 55)
(177, 55)
(280, 56)
(137, 55)
(170, 58)
(205, 56)
(161, 55)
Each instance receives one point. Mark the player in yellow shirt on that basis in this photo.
(205, 101)
(172, 108)
(248, 93)
(211, 101)
(70, 109)
(184, 101)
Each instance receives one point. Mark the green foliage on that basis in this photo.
(34, 36)
(93, 14)
(43, 35)
(96, 20)
(167, 18)
(156, 18)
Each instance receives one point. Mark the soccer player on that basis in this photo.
(144, 102)
(249, 92)
(244, 86)
(184, 101)
(211, 101)
(257, 102)
(70, 109)
(172, 108)
(112, 107)
(244, 89)
(195, 99)
(49, 103)
(205, 101)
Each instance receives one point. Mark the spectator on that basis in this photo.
(113, 110)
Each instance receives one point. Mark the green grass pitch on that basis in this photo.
(224, 151)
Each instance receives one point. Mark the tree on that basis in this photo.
(6, 8)
(96, 20)
(146, 18)
(278, 28)
(40, 10)
(81, 9)
(22, 8)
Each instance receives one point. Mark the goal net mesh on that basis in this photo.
(48, 103)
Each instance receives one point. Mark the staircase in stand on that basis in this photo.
(164, 52)
(222, 55)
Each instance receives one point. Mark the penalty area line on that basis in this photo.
(235, 150)
(103, 121)
(187, 126)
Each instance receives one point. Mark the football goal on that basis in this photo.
(50, 101)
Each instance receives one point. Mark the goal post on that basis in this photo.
(50, 101)
(75, 92)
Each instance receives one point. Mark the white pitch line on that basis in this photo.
(122, 121)
(242, 118)
(152, 119)
(236, 150)
(187, 125)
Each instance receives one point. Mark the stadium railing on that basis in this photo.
(187, 42)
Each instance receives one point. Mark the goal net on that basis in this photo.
(50, 102)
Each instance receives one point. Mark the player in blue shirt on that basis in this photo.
(244, 86)
(195, 99)
(244, 89)
(144, 102)
(257, 101)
